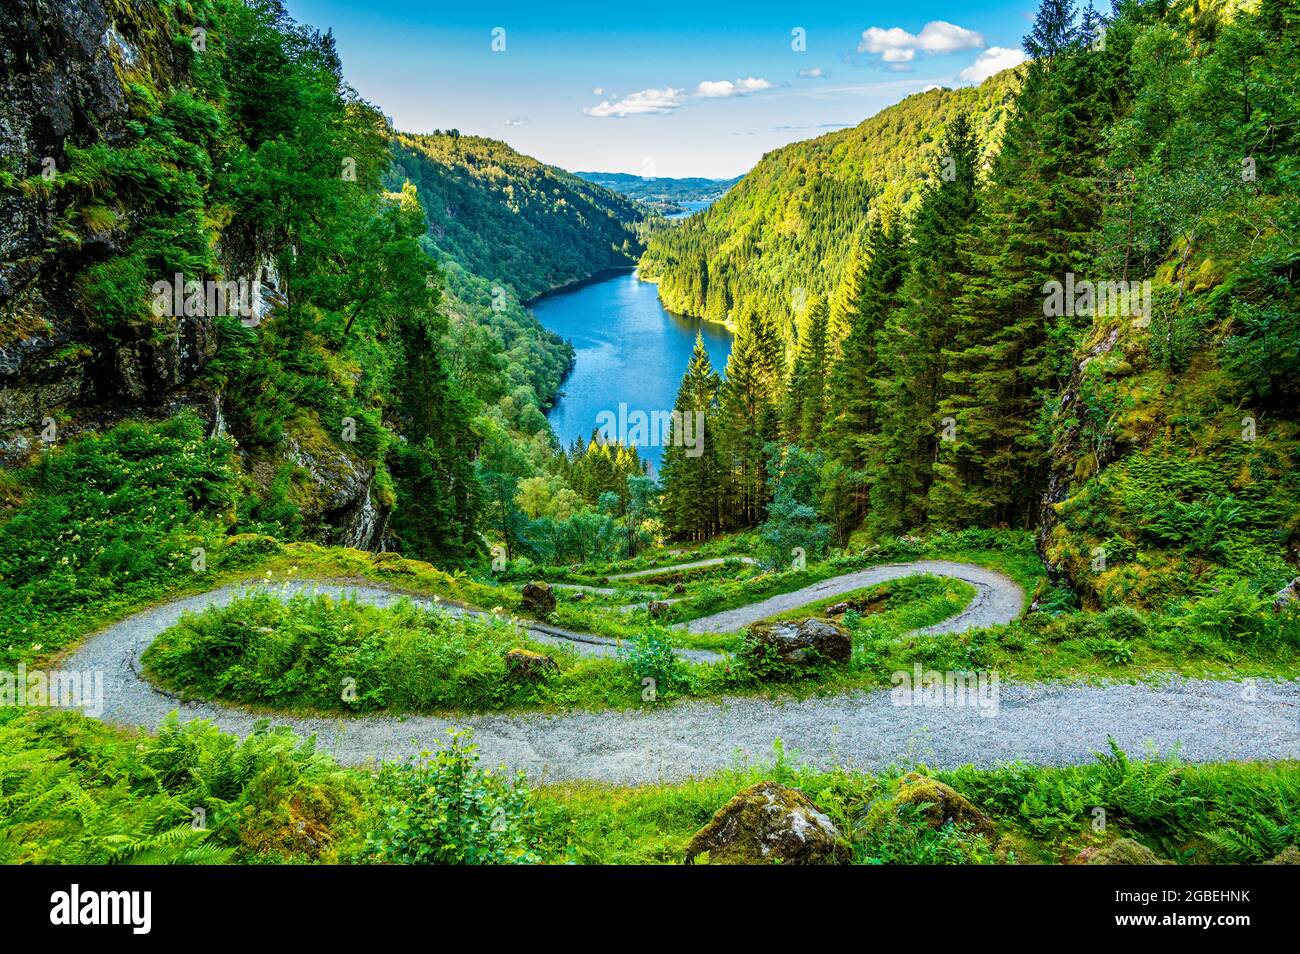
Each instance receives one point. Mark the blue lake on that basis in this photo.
(631, 354)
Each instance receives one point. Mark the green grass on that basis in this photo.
(319, 653)
(1232, 813)
(78, 791)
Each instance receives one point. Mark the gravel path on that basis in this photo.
(998, 599)
(659, 570)
(1044, 724)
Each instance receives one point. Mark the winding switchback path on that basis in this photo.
(997, 597)
(1054, 724)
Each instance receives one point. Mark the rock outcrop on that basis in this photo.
(1288, 596)
(538, 598)
(804, 642)
(1122, 851)
(769, 823)
(935, 803)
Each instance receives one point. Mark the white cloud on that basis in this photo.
(714, 89)
(939, 36)
(815, 73)
(659, 101)
(599, 92)
(515, 122)
(993, 60)
(642, 102)
(896, 45)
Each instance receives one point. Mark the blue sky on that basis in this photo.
(664, 88)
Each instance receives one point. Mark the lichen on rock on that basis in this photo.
(1122, 851)
(806, 642)
(769, 823)
(938, 804)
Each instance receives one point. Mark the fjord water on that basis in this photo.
(629, 350)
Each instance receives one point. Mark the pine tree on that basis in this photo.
(805, 397)
(692, 474)
(914, 336)
(1054, 31)
(871, 294)
(1035, 227)
(750, 401)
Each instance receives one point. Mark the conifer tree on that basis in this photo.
(805, 395)
(1035, 226)
(868, 300)
(914, 336)
(750, 402)
(692, 473)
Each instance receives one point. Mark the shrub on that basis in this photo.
(1235, 613)
(443, 809)
(651, 657)
(1123, 623)
(327, 653)
(79, 792)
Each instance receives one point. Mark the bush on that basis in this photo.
(652, 658)
(1234, 614)
(79, 792)
(1123, 623)
(443, 809)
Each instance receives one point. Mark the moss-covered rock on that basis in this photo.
(769, 823)
(1289, 855)
(1122, 851)
(526, 664)
(937, 803)
(538, 598)
(804, 642)
(1288, 596)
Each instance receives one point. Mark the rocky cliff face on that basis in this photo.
(64, 72)
(60, 89)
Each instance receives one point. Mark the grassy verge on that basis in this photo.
(1190, 814)
(80, 792)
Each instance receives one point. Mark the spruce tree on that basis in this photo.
(1035, 227)
(870, 297)
(914, 336)
(692, 474)
(805, 397)
(750, 401)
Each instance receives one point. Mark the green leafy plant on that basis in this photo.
(442, 808)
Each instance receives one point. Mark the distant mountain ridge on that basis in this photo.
(662, 193)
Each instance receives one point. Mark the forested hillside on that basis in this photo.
(788, 229)
(511, 219)
(1150, 435)
(506, 228)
